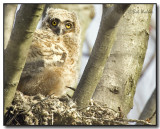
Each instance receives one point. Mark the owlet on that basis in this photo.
(51, 65)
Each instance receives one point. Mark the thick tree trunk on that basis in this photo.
(101, 50)
(9, 15)
(149, 111)
(18, 46)
(123, 67)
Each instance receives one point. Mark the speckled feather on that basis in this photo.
(52, 60)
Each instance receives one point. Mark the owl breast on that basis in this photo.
(51, 65)
(45, 51)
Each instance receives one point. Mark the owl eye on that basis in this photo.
(54, 23)
(68, 26)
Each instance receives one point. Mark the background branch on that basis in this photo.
(9, 16)
(149, 110)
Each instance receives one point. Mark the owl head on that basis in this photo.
(61, 22)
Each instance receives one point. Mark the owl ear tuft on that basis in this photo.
(49, 10)
(77, 24)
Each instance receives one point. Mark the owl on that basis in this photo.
(51, 65)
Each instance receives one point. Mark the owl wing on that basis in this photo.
(43, 53)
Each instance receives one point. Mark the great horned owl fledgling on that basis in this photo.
(51, 65)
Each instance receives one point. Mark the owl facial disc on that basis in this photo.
(61, 27)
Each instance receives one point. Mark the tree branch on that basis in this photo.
(9, 15)
(100, 53)
(18, 46)
(149, 110)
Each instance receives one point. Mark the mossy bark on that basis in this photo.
(101, 51)
(16, 52)
(9, 15)
(123, 67)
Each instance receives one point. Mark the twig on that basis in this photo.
(17, 122)
(120, 120)
(71, 88)
(154, 113)
(107, 120)
(134, 120)
(46, 98)
(120, 112)
(9, 122)
(111, 109)
(102, 108)
(24, 112)
(52, 118)
(83, 108)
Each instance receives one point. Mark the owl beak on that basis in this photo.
(59, 31)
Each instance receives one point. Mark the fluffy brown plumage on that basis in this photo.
(52, 60)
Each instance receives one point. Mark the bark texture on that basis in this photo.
(99, 55)
(149, 111)
(123, 67)
(18, 46)
(9, 15)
